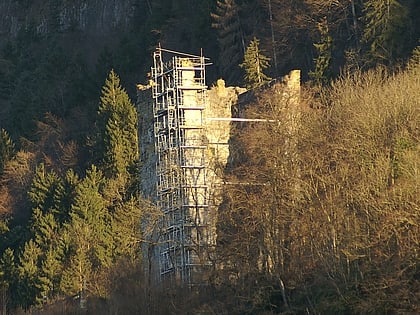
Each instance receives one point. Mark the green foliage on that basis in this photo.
(348, 245)
(8, 275)
(89, 231)
(64, 196)
(414, 62)
(76, 274)
(118, 133)
(387, 29)
(125, 228)
(44, 228)
(43, 77)
(230, 39)
(322, 72)
(254, 64)
(90, 219)
(7, 149)
(49, 276)
(41, 193)
(28, 268)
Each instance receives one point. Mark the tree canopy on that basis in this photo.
(330, 222)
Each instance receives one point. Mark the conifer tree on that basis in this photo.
(77, 273)
(49, 275)
(321, 74)
(28, 269)
(118, 123)
(89, 233)
(45, 236)
(7, 149)
(64, 195)
(44, 228)
(254, 64)
(126, 226)
(386, 29)
(41, 193)
(230, 38)
(8, 275)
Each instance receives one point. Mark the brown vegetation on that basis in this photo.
(321, 215)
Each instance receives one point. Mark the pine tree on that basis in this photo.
(386, 29)
(64, 195)
(126, 227)
(41, 193)
(89, 233)
(49, 275)
(90, 219)
(8, 275)
(230, 38)
(44, 228)
(118, 124)
(28, 268)
(254, 65)
(77, 274)
(45, 236)
(7, 149)
(322, 73)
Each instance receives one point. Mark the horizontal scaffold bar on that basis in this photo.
(191, 127)
(192, 87)
(180, 53)
(191, 107)
(193, 147)
(194, 186)
(240, 119)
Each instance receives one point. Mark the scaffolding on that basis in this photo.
(179, 96)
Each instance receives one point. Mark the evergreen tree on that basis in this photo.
(7, 149)
(41, 193)
(89, 232)
(64, 195)
(44, 228)
(8, 278)
(28, 268)
(49, 275)
(126, 227)
(118, 128)
(230, 38)
(322, 72)
(254, 65)
(77, 274)
(386, 29)
(51, 199)
(414, 62)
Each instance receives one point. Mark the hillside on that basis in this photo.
(335, 230)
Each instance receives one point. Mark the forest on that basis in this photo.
(333, 226)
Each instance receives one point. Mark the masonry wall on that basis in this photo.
(223, 103)
(220, 100)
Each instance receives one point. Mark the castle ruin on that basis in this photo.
(184, 134)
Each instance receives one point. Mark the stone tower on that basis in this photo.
(185, 129)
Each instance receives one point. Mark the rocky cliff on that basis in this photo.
(88, 16)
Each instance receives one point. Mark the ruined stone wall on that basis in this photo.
(222, 106)
(220, 100)
(214, 135)
(146, 142)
